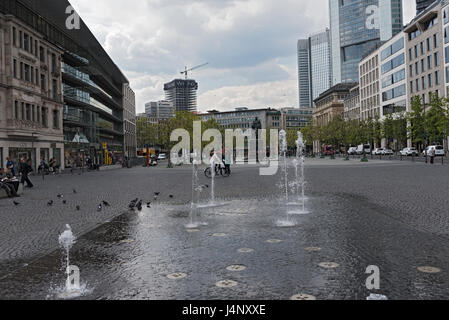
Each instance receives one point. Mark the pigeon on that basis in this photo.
(157, 193)
(171, 196)
(60, 196)
(64, 201)
(50, 203)
(15, 203)
(106, 203)
(132, 205)
(78, 208)
(100, 207)
(148, 204)
(74, 191)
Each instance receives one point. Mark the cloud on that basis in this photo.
(250, 45)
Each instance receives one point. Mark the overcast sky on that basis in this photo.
(250, 45)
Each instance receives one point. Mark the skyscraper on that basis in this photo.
(422, 4)
(357, 26)
(320, 62)
(314, 67)
(182, 94)
(304, 76)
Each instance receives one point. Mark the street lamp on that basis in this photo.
(257, 125)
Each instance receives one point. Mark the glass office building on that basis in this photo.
(421, 5)
(320, 61)
(304, 76)
(358, 26)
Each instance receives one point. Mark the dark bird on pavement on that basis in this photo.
(60, 196)
(100, 207)
(64, 201)
(157, 193)
(171, 196)
(132, 205)
(78, 208)
(15, 203)
(148, 204)
(74, 191)
(106, 203)
(50, 203)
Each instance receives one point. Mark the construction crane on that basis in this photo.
(194, 68)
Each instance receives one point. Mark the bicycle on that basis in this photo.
(224, 171)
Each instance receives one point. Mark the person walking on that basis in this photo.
(10, 166)
(432, 156)
(25, 170)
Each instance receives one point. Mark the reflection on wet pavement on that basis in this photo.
(241, 254)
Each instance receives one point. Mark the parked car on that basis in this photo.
(409, 152)
(439, 151)
(378, 151)
(328, 150)
(352, 150)
(162, 156)
(363, 148)
(387, 152)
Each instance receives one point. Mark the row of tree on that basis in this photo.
(157, 135)
(422, 125)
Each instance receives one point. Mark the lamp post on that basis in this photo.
(257, 125)
(425, 131)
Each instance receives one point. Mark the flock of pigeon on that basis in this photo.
(135, 204)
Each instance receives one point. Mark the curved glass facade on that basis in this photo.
(357, 27)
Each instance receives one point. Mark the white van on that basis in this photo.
(363, 148)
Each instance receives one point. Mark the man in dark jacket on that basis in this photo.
(25, 170)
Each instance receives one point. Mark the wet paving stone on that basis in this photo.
(129, 258)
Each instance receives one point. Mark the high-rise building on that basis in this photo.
(422, 5)
(357, 26)
(92, 85)
(159, 111)
(182, 94)
(320, 62)
(314, 67)
(304, 76)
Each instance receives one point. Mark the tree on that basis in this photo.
(435, 121)
(416, 120)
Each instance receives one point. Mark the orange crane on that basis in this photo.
(194, 68)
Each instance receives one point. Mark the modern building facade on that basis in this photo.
(304, 74)
(92, 85)
(30, 94)
(425, 53)
(158, 111)
(393, 78)
(320, 62)
(357, 26)
(421, 5)
(129, 121)
(294, 118)
(241, 118)
(182, 94)
(369, 85)
(314, 67)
